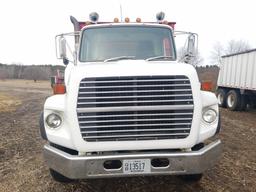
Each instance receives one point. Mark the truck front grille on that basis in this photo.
(135, 108)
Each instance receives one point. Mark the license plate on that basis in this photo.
(133, 166)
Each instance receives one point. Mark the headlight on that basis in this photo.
(209, 115)
(53, 120)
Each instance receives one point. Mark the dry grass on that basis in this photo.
(25, 83)
(8, 103)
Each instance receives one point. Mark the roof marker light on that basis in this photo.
(127, 20)
(138, 20)
(116, 20)
(165, 22)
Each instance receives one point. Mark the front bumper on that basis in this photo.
(80, 167)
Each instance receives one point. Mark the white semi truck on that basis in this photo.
(127, 107)
(237, 80)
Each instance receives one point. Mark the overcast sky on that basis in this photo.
(28, 27)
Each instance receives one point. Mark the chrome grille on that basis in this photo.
(135, 108)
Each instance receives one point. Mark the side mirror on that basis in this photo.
(187, 52)
(191, 49)
(63, 47)
(191, 45)
(63, 51)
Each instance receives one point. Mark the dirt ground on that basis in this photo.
(22, 167)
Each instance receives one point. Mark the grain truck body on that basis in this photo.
(237, 80)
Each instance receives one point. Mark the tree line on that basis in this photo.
(30, 72)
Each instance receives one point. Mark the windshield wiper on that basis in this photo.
(119, 58)
(160, 57)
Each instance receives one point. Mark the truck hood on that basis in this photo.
(128, 68)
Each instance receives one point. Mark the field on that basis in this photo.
(22, 167)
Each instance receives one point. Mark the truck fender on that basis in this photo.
(41, 127)
(219, 126)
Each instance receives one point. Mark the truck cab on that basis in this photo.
(127, 107)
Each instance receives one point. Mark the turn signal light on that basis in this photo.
(59, 89)
(206, 86)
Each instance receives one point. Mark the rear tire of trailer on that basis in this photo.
(221, 96)
(233, 100)
(59, 177)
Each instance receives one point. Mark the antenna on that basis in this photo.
(121, 13)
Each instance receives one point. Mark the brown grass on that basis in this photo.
(8, 103)
(25, 83)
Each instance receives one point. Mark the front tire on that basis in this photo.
(59, 177)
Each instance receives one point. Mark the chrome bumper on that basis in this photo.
(79, 167)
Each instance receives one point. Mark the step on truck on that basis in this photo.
(237, 81)
(126, 106)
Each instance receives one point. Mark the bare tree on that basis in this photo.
(3, 74)
(194, 60)
(35, 73)
(216, 53)
(233, 46)
(197, 60)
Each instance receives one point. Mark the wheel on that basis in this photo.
(58, 177)
(221, 96)
(233, 100)
(192, 177)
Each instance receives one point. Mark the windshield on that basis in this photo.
(131, 42)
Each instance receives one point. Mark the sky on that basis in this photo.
(28, 27)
